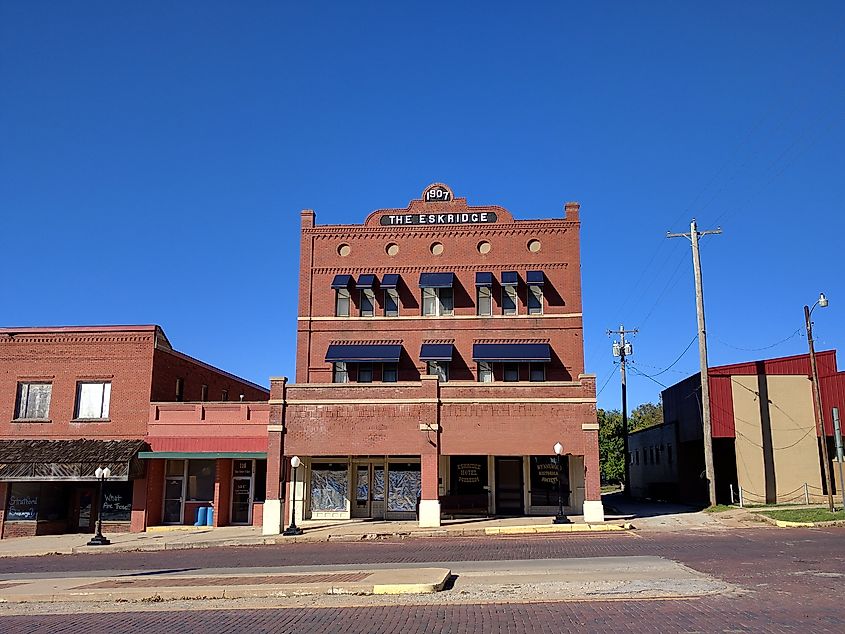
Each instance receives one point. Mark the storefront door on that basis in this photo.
(84, 511)
(363, 487)
(174, 500)
(242, 485)
(509, 486)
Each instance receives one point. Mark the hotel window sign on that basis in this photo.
(434, 194)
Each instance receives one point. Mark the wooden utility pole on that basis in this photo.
(817, 401)
(622, 349)
(693, 236)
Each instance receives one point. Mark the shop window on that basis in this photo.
(33, 401)
(439, 369)
(180, 390)
(437, 302)
(260, 488)
(509, 300)
(536, 371)
(535, 300)
(92, 400)
(23, 501)
(117, 502)
(390, 372)
(367, 302)
(365, 373)
(340, 372)
(378, 483)
(201, 474)
(545, 488)
(468, 475)
(329, 486)
(404, 485)
(484, 301)
(510, 372)
(485, 372)
(342, 301)
(391, 302)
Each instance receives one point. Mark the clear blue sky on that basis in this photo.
(154, 157)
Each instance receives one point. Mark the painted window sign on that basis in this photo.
(22, 507)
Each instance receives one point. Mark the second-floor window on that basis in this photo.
(33, 401)
(390, 372)
(367, 302)
(439, 369)
(437, 302)
(485, 372)
(510, 371)
(391, 302)
(484, 301)
(365, 373)
(509, 300)
(536, 371)
(340, 372)
(92, 399)
(342, 301)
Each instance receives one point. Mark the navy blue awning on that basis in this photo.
(535, 278)
(391, 280)
(510, 278)
(362, 353)
(511, 352)
(436, 352)
(437, 280)
(341, 281)
(366, 280)
(484, 279)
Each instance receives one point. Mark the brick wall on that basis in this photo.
(169, 365)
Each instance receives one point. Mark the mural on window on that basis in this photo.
(403, 487)
(378, 484)
(362, 484)
(329, 484)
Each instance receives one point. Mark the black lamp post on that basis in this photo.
(98, 539)
(560, 518)
(293, 529)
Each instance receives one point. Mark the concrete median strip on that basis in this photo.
(556, 528)
(168, 587)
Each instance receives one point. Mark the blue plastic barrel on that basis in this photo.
(209, 518)
(202, 516)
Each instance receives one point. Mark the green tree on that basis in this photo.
(610, 445)
(645, 415)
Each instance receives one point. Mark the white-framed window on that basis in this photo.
(535, 300)
(484, 301)
(365, 373)
(33, 402)
(390, 372)
(391, 302)
(92, 399)
(341, 303)
(367, 302)
(439, 369)
(485, 372)
(536, 371)
(510, 372)
(509, 300)
(437, 302)
(340, 372)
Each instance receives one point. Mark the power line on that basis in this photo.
(641, 373)
(680, 356)
(607, 380)
(725, 343)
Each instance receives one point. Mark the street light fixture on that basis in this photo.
(560, 518)
(817, 396)
(98, 539)
(293, 529)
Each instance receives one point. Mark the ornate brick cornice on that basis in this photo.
(439, 267)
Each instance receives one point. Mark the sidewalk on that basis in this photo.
(160, 538)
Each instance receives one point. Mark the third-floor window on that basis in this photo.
(342, 301)
(367, 302)
(437, 302)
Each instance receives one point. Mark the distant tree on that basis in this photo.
(645, 415)
(611, 446)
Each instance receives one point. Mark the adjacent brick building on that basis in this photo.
(439, 359)
(75, 398)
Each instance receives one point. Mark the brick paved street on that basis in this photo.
(792, 580)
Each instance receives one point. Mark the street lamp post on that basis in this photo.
(98, 539)
(293, 529)
(560, 518)
(817, 396)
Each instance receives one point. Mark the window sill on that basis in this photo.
(90, 420)
(32, 420)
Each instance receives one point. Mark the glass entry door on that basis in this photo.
(174, 492)
(242, 480)
(361, 502)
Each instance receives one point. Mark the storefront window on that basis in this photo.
(23, 501)
(544, 480)
(378, 483)
(468, 475)
(201, 475)
(260, 481)
(329, 486)
(117, 502)
(404, 484)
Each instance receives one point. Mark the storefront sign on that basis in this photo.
(117, 504)
(468, 474)
(22, 507)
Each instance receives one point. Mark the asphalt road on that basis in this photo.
(788, 579)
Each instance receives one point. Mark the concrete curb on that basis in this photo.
(788, 524)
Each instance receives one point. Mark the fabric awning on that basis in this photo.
(483, 279)
(366, 280)
(511, 352)
(535, 278)
(363, 353)
(341, 281)
(437, 280)
(391, 280)
(436, 352)
(69, 460)
(510, 278)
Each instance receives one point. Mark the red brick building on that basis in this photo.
(75, 398)
(439, 359)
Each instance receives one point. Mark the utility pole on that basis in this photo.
(623, 349)
(693, 236)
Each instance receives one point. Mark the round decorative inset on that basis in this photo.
(343, 250)
(534, 246)
(483, 247)
(392, 249)
(436, 248)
